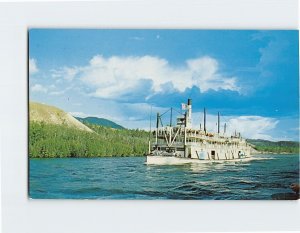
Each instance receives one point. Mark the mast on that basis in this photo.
(171, 118)
(185, 124)
(204, 119)
(188, 123)
(218, 122)
(149, 150)
(157, 123)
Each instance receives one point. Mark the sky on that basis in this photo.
(127, 76)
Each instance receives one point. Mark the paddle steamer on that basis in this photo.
(180, 144)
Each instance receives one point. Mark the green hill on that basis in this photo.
(54, 133)
(275, 147)
(99, 121)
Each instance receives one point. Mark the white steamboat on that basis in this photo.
(182, 144)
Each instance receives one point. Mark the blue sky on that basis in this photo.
(251, 77)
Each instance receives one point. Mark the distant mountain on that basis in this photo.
(261, 142)
(276, 147)
(54, 133)
(52, 115)
(100, 121)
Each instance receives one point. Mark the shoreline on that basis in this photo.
(273, 153)
(88, 157)
(119, 156)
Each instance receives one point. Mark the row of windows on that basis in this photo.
(197, 140)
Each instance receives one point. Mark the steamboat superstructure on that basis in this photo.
(182, 144)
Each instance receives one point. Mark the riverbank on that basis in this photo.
(272, 153)
(260, 146)
(61, 141)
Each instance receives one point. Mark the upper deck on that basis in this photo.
(180, 134)
(185, 141)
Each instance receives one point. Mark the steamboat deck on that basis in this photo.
(183, 144)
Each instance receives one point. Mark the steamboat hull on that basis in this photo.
(171, 160)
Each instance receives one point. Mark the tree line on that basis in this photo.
(275, 147)
(58, 141)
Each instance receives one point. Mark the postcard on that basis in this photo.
(163, 114)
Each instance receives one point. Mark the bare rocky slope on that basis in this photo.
(52, 115)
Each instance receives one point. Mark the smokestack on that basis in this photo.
(224, 128)
(189, 113)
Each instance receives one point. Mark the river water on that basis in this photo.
(130, 178)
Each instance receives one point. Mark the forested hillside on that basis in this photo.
(99, 121)
(50, 141)
(275, 147)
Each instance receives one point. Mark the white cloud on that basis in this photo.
(119, 76)
(33, 66)
(140, 77)
(60, 91)
(39, 88)
(137, 115)
(67, 73)
(269, 54)
(255, 127)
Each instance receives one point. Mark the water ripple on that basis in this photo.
(129, 178)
